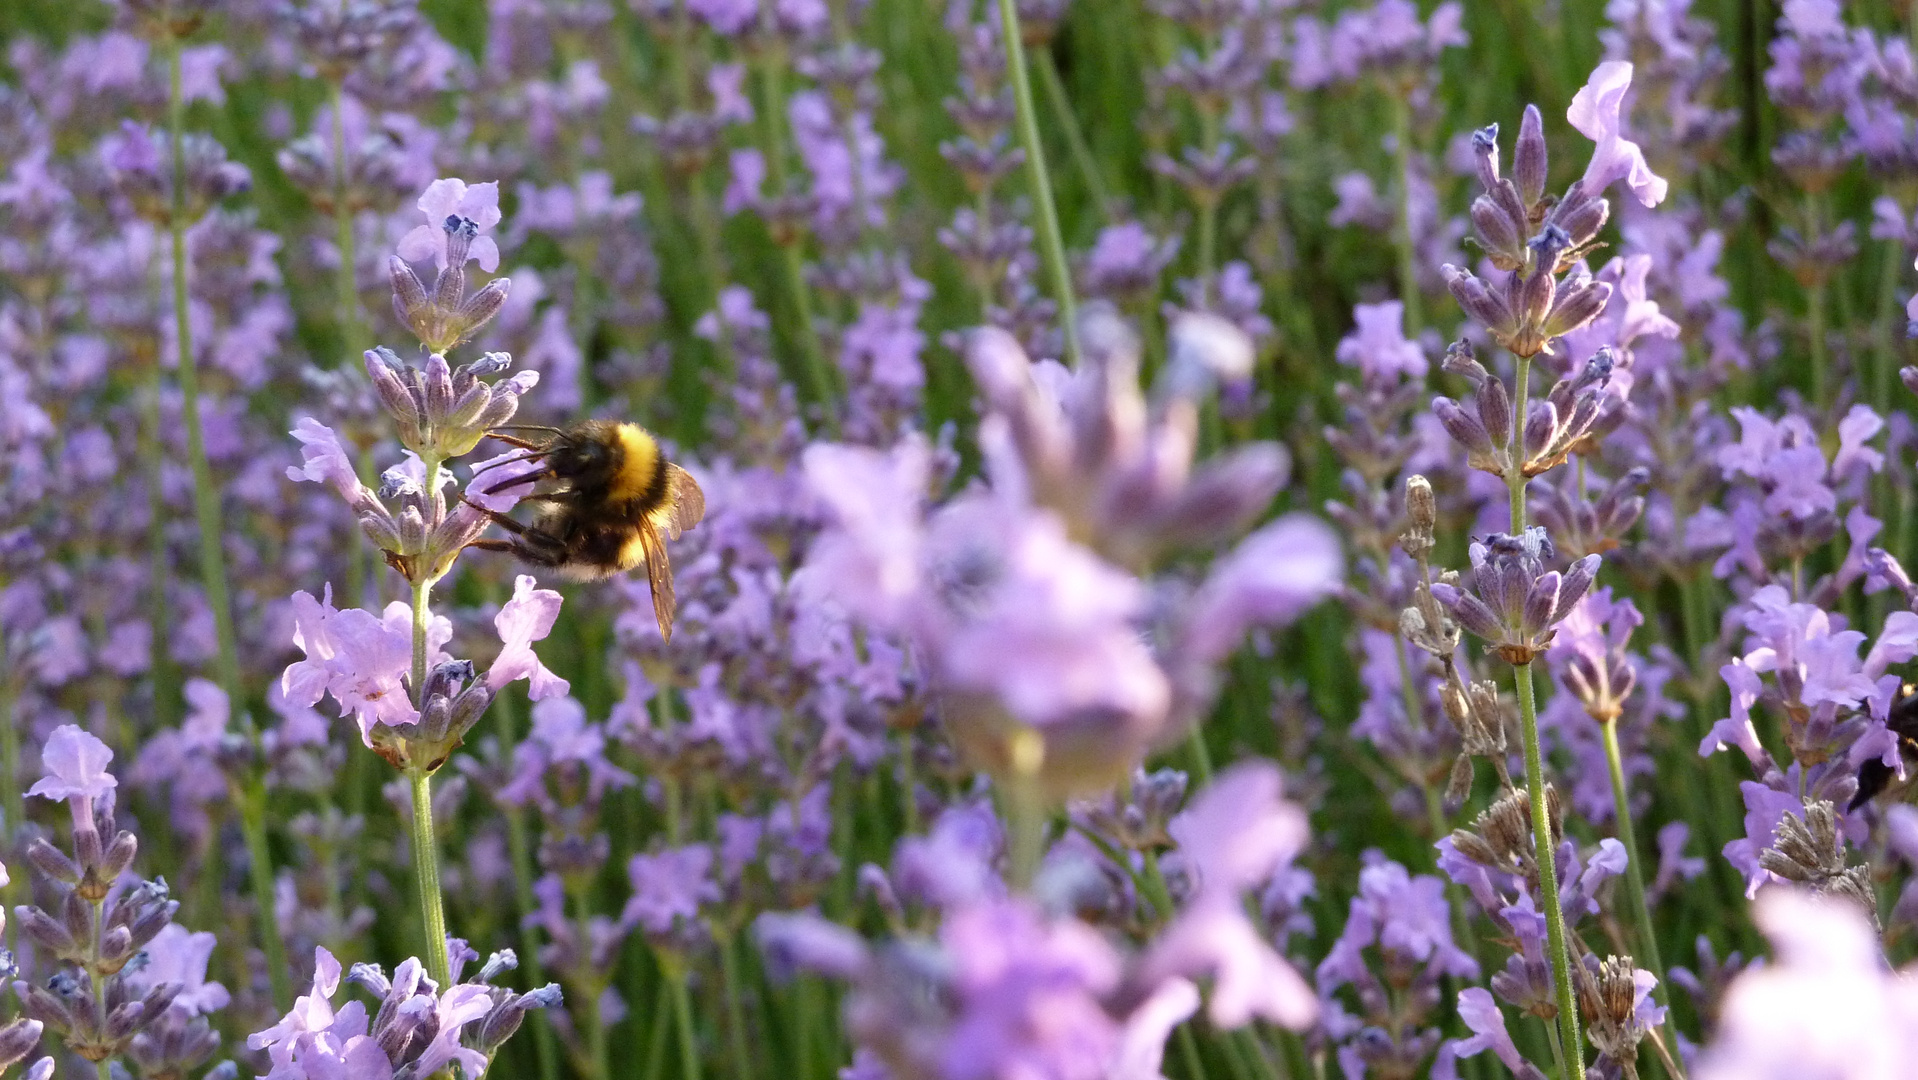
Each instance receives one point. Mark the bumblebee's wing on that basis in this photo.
(659, 574)
(686, 505)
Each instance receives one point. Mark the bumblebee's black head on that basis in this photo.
(602, 457)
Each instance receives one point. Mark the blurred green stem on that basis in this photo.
(772, 145)
(1052, 243)
(675, 976)
(1402, 218)
(346, 277)
(1635, 874)
(206, 508)
(1572, 1067)
(519, 846)
(1068, 122)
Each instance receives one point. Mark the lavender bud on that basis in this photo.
(1479, 303)
(1540, 429)
(119, 855)
(1577, 581)
(1463, 427)
(1460, 359)
(1496, 231)
(52, 862)
(17, 1040)
(116, 947)
(381, 529)
(439, 390)
(479, 308)
(469, 406)
(409, 295)
(1485, 151)
(1577, 307)
(468, 708)
(498, 411)
(45, 931)
(1581, 216)
(1541, 603)
(1495, 411)
(412, 532)
(1528, 157)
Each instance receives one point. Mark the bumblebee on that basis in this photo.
(607, 500)
(1874, 776)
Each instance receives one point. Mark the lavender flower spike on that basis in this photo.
(1508, 597)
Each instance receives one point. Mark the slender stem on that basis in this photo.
(250, 793)
(1052, 243)
(1634, 872)
(97, 983)
(519, 846)
(1189, 1050)
(1201, 755)
(206, 497)
(426, 874)
(1402, 217)
(683, 1018)
(166, 678)
(1890, 324)
(744, 1067)
(206, 509)
(347, 280)
(1820, 360)
(1024, 806)
(1558, 1048)
(1515, 479)
(1068, 123)
(1574, 1065)
(772, 144)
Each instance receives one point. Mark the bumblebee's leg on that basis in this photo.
(527, 479)
(499, 519)
(512, 440)
(538, 553)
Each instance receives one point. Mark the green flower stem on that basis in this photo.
(772, 145)
(346, 277)
(1890, 327)
(1635, 875)
(1820, 360)
(744, 1067)
(675, 977)
(1052, 243)
(206, 497)
(166, 677)
(250, 794)
(426, 874)
(426, 854)
(1402, 220)
(519, 847)
(1573, 1065)
(1024, 805)
(1515, 481)
(97, 983)
(1068, 123)
(206, 509)
(10, 809)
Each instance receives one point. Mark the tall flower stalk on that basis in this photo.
(1052, 245)
(248, 791)
(1513, 600)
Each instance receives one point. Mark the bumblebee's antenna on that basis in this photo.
(559, 432)
(534, 456)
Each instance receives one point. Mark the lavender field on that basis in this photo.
(958, 539)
